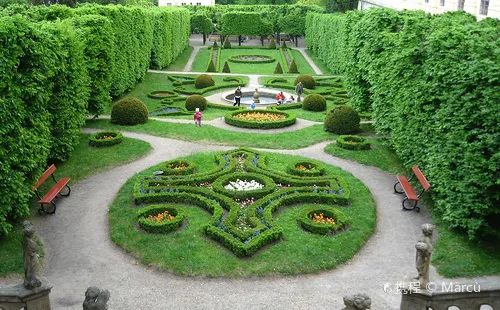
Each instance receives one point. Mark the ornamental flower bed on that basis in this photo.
(243, 185)
(260, 119)
(353, 143)
(160, 218)
(105, 138)
(306, 169)
(179, 167)
(323, 221)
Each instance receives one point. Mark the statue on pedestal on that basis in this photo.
(31, 263)
(96, 299)
(256, 96)
(357, 302)
(424, 251)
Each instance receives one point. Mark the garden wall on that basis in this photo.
(61, 64)
(433, 84)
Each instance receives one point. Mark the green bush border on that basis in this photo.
(190, 167)
(308, 224)
(265, 61)
(268, 183)
(165, 227)
(171, 94)
(230, 119)
(319, 169)
(96, 142)
(360, 142)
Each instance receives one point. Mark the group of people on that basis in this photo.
(281, 99)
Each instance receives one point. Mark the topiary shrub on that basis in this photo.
(307, 80)
(105, 138)
(293, 67)
(215, 44)
(353, 143)
(196, 101)
(227, 44)
(314, 102)
(283, 44)
(278, 69)
(129, 111)
(226, 68)
(211, 66)
(272, 44)
(342, 120)
(204, 81)
(160, 219)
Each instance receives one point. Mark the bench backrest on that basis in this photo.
(44, 176)
(421, 178)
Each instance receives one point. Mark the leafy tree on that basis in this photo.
(342, 6)
(293, 24)
(201, 23)
(238, 23)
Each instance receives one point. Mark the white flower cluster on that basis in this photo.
(242, 185)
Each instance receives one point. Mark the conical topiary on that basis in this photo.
(272, 44)
(215, 44)
(211, 66)
(283, 44)
(227, 44)
(226, 68)
(293, 67)
(278, 69)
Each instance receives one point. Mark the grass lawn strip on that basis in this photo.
(188, 251)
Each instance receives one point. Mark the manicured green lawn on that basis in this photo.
(302, 64)
(188, 251)
(321, 65)
(84, 162)
(200, 62)
(181, 61)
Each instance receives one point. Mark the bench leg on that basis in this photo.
(410, 205)
(397, 188)
(65, 194)
(51, 210)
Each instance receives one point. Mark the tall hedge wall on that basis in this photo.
(60, 64)
(433, 83)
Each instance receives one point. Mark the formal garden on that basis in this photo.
(245, 207)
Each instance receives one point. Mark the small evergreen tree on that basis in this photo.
(293, 67)
(226, 68)
(283, 44)
(215, 44)
(227, 44)
(211, 66)
(278, 69)
(272, 44)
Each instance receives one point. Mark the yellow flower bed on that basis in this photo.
(260, 116)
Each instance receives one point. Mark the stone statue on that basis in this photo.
(357, 302)
(424, 251)
(31, 263)
(256, 96)
(96, 299)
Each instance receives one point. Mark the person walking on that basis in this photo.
(237, 96)
(197, 117)
(299, 89)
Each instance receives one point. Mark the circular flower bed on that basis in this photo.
(244, 185)
(178, 167)
(323, 221)
(261, 119)
(306, 168)
(251, 59)
(105, 138)
(160, 218)
(353, 143)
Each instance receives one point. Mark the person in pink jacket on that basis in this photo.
(197, 117)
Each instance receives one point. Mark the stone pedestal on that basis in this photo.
(15, 297)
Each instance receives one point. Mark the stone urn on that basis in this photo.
(256, 96)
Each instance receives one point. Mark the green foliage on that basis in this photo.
(306, 169)
(314, 102)
(210, 68)
(105, 138)
(441, 114)
(306, 220)
(293, 24)
(272, 43)
(226, 68)
(283, 44)
(201, 23)
(129, 111)
(353, 143)
(196, 101)
(238, 23)
(307, 80)
(215, 45)
(232, 119)
(342, 120)
(227, 44)
(204, 80)
(293, 67)
(159, 227)
(278, 69)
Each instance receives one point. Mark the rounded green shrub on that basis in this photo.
(105, 138)
(196, 101)
(342, 120)
(129, 111)
(314, 102)
(203, 81)
(307, 80)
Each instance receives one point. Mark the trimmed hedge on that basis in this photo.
(231, 119)
(99, 140)
(196, 101)
(314, 102)
(307, 80)
(306, 221)
(353, 143)
(306, 169)
(204, 81)
(342, 120)
(160, 227)
(129, 111)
